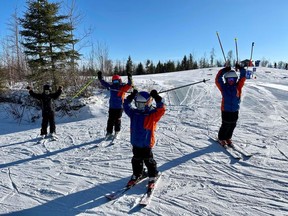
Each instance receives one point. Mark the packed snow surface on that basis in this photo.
(72, 175)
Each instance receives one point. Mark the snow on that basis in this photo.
(72, 175)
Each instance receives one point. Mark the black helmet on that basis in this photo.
(47, 87)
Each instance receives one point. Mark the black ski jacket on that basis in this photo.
(47, 101)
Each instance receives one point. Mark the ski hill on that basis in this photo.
(71, 176)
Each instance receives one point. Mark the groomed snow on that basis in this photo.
(71, 176)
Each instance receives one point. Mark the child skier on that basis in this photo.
(143, 122)
(117, 94)
(231, 91)
(48, 110)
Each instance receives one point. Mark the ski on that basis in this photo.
(241, 151)
(110, 140)
(41, 140)
(118, 193)
(104, 142)
(235, 154)
(232, 152)
(50, 137)
(53, 138)
(146, 198)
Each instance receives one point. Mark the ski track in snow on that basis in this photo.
(70, 176)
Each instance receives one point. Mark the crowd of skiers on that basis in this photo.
(144, 118)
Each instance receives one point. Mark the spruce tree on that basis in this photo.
(48, 39)
(129, 66)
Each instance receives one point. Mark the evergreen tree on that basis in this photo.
(140, 69)
(149, 67)
(169, 66)
(159, 68)
(129, 66)
(47, 40)
(185, 63)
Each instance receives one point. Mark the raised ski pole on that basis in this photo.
(204, 80)
(221, 46)
(252, 46)
(236, 45)
(83, 88)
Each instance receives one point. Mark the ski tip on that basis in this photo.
(110, 197)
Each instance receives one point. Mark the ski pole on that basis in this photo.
(236, 45)
(221, 46)
(83, 88)
(251, 52)
(204, 80)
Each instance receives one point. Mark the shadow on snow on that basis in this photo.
(83, 201)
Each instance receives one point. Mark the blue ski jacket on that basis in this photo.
(117, 93)
(231, 94)
(143, 124)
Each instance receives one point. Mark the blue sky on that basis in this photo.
(169, 29)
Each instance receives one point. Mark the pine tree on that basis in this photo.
(140, 69)
(47, 40)
(129, 66)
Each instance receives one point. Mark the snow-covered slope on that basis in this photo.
(71, 176)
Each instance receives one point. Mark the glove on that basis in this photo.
(227, 69)
(132, 95)
(238, 66)
(244, 64)
(100, 76)
(154, 94)
(60, 88)
(28, 88)
(129, 76)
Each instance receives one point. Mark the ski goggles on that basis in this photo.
(142, 105)
(47, 92)
(116, 81)
(232, 79)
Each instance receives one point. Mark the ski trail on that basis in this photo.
(14, 186)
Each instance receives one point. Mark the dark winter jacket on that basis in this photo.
(231, 94)
(117, 93)
(143, 124)
(47, 101)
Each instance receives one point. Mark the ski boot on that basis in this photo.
(229, 143)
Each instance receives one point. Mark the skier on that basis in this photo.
(143, 122)
(117, 94)
(231, 91)
(48, 110)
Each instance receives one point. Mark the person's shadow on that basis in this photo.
(94, 197)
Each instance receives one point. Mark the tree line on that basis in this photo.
(42, 47)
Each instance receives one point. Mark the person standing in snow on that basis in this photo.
(231, 91)
(143, 121)
(117, 94)
(48, 110)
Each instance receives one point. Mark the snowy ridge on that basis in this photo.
(69, 177)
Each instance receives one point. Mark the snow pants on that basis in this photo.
(229, 120)
(48, 118)
(143, 156)
(114, 120)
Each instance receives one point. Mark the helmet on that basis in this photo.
(231, 73)
(116, 79)
(143, 101)
(231, 77)
(47, 87)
